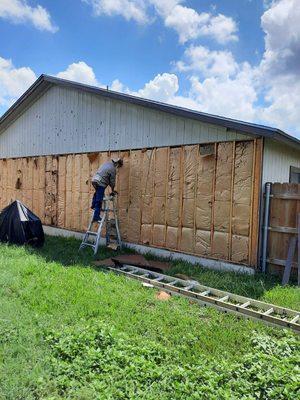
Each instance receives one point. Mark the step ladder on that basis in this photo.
(109, 221)
(224, 301)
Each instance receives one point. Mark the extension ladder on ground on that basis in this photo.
(112, 232)
(219, 299)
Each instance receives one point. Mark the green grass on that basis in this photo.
(68, 330)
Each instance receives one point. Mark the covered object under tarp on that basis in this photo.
(19, 225)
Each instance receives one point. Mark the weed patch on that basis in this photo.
(95, 359)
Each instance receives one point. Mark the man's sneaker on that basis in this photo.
(97, 220)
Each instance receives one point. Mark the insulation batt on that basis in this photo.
(176, 197)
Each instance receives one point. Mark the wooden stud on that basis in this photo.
(252, 199)
(181, 189)
(166, 195)
(195, 198)
(153, 191)
(255, 213)
(213, 202)
(231, 201)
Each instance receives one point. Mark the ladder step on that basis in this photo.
(134, 271)
(173, 282)
(92, 233)
(269, 311)
(205, 293)
(295, 319)
(158, 279)
(189, 287)
(225, 298)
(245, 305)
(88, 244)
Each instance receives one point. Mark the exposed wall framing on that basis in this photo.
(184, 198)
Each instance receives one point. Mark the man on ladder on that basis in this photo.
(105, 176)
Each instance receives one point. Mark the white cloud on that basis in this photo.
(187, 22)
(279, 69)
(13, 81)
(129, 9)
(232, 97)
(207, 62)
(18, 11)
(80, 72)
(161, 88)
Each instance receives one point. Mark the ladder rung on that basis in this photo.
(189, 287)
(92, 233)
(88, 244)
(225, 298)
(245, 305)
(269, 311)
(134, 271)
(205, 293)
(295, 319)
(173, 282)
(158, 279)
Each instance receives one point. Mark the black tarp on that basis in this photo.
(19, 225)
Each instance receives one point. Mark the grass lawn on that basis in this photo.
(69, 331)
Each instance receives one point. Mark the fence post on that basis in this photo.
(266, 226)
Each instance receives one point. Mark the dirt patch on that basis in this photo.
(163, 296)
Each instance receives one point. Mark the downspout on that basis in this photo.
(267, 194)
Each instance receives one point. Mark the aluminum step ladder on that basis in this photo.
(223, 301)
(109, 221)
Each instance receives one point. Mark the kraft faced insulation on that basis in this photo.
(222, 201)
(173, 198)
(179, 197)
(61, 197)
(134, 209)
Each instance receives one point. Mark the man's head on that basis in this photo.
(118, 162)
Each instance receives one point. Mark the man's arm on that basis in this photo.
(112, 180)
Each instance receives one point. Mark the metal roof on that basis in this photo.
(44, 82)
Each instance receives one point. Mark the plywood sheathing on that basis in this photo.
(168, 197)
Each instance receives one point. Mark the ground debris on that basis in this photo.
(163, 296)
(136, 260)
(108, 262)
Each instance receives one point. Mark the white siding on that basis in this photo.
(71, 121)
(277, 161)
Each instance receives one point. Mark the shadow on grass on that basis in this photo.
(65, 251)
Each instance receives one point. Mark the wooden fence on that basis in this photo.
(284, 210)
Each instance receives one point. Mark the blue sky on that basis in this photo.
(226, 57)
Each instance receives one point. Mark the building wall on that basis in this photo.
(65, 121)
(277, 161)
(182, 198)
